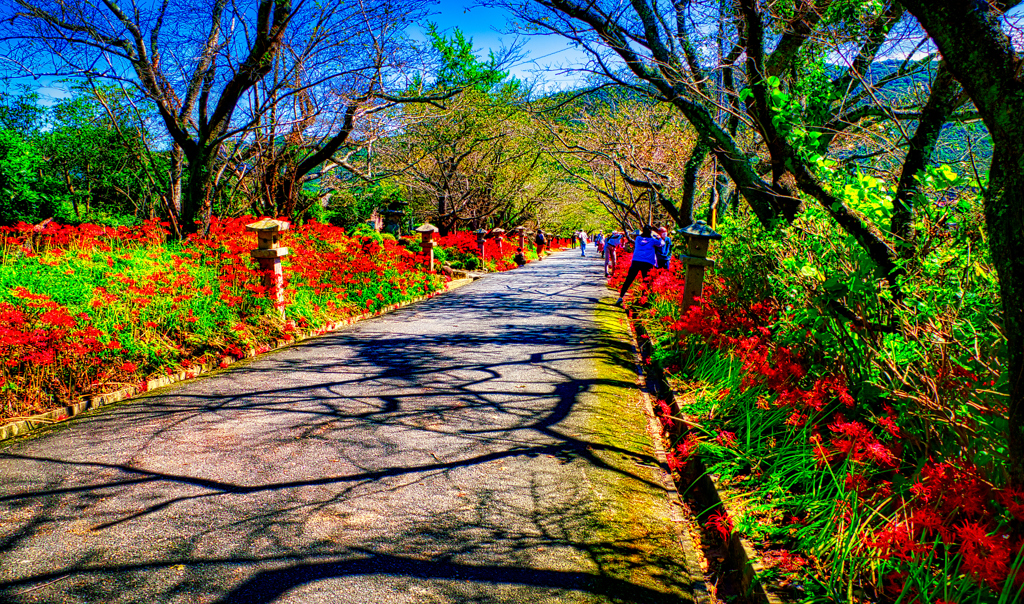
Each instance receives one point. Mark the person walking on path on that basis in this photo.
(599, 242)
(611, 251)
(583, 243)
(644, 259)
(542, 241)
(663, 254)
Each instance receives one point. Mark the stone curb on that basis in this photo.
(24, 426)
(696, 481)
(654, 429)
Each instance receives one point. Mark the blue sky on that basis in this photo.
(489, 29)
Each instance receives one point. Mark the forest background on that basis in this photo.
(864, 159)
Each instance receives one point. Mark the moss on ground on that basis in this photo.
(635, 521)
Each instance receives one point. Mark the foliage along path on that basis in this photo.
(485, 446)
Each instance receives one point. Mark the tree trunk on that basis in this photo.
(1004, 218)
(196, 207)
(693, 164)
(442, 209)
(177, 162)
(984, 60)
(286, 196)
(718, 199)
(942, 101)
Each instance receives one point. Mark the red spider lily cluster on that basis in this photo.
(46, 346)
(326, 269)
(462, 241)
(56, 237)
(87, 309)
(936, 510)
(498, 250)
(676, 457)
(952, 510)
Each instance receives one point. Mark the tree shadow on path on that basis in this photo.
(438, 445)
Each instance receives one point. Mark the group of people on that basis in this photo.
(652, 248)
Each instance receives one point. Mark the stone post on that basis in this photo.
(268, 254)
(521, 237)
(481, 238)
(498, 233)
(698, 236)
(426, 231)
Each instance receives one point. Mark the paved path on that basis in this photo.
(483, 446)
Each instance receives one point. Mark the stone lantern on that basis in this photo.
(521, 237)
(426, 231)
(497, 234)
(268, 254)
(393, 217)
(698, 236)
(481, 237)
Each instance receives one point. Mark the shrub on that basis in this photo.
(867, 434)
(101, 306)
(21, 199)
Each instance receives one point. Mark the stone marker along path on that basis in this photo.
(483, 446)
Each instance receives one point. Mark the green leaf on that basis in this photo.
(809, 271)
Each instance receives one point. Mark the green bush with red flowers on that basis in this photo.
(89, 309)
(862, 436)
(463, 252)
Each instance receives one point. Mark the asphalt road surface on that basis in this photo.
(482, 446)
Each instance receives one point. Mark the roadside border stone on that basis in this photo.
(699, 483)
(25, 426)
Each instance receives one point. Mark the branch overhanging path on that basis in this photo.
(486, 445)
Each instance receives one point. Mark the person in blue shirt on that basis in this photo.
(663, 254)
(644, 259)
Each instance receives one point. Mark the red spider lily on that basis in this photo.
(783, 560)
(720, 522)
(985, 556)
(664, 413)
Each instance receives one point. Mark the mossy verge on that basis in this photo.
(626, 475)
